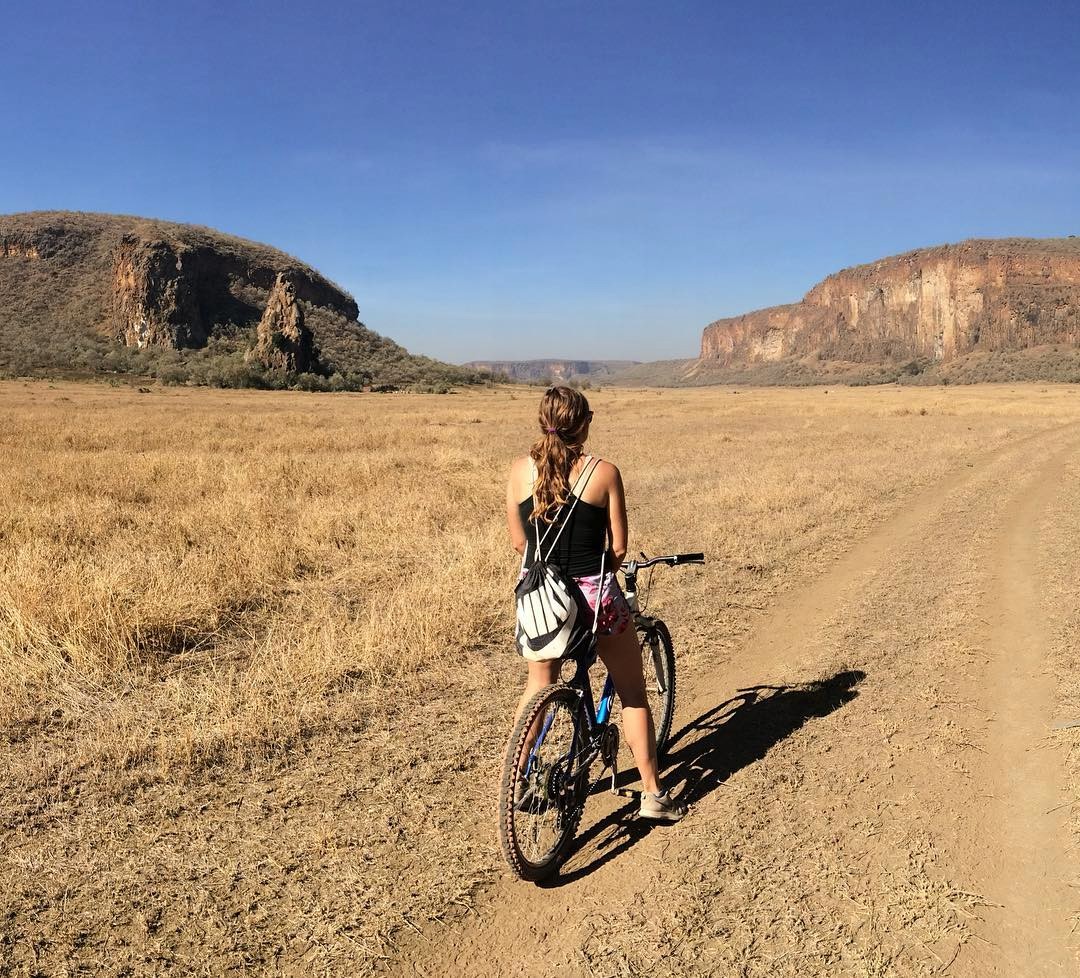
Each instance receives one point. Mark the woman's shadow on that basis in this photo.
(707, 751)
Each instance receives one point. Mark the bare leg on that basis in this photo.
(622, 656)
(541, 674)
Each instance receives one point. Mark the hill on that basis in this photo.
(562, 371)
(86, 294)
(957, 311)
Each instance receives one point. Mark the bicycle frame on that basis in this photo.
(597, 715)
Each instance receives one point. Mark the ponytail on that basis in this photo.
(564, 418)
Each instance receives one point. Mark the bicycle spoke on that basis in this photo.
(553, 757)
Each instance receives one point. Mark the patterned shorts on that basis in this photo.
(615, 613)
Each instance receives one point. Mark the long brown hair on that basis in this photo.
(564, 423)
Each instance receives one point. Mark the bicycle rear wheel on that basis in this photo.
(541, 794)
(658, 666)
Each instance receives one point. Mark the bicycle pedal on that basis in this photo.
(626, 793)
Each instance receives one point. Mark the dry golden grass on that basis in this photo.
(198, 588)
(243, 555)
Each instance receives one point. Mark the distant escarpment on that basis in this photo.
(552, 371)
(97, 293)
(927, 308)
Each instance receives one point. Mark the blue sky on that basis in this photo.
(586, 179)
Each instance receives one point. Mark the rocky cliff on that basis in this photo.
(935, 304)
(176, 294)
(76, 290)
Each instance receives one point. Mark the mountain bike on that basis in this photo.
(561, 734)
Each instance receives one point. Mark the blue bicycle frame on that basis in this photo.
(596, 716)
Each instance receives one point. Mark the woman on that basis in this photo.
(539, 484)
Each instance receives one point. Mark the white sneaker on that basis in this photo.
(660, 808)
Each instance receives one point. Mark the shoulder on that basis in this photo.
(607, 473)
(520, 466)
(520, 476)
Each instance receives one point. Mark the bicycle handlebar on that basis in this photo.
(672, 560)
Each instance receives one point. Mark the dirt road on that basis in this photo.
(874, 785)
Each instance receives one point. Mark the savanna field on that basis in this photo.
(256, 668)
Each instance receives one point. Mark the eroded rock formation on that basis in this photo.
(75, 288)
(172, 295)
(936, 304)
(283, 341)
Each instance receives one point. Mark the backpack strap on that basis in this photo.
(591, 465)
(533, 476)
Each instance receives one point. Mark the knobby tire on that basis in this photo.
(659, 670)
(515, 825)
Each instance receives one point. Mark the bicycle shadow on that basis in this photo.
(707, 751)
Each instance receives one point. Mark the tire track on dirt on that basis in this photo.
(522, 930)
(1026, 832)
(786, 626)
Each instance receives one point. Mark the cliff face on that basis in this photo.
(937, 304)
(155, 299)
(19, 249)
(175, 295)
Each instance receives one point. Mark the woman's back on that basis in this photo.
(580, 545)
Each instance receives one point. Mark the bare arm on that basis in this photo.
(513, 514)
(617, 515)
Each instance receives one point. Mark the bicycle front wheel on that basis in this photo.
(658, 666)
(540, 795)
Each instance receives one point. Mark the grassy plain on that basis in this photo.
(254, 647)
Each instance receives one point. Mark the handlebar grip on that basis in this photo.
(689, 558)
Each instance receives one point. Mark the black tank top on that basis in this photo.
(581, 545)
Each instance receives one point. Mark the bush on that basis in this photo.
(235, 372)
(173, 375)
(310, 382)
